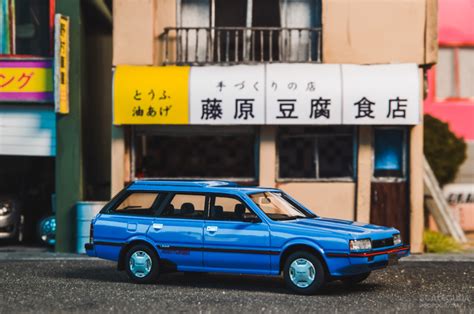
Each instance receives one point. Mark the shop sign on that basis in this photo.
(61, 63)
(227, 95)
(26, 80)
(305, 94)
(381, 94)
(151, 95)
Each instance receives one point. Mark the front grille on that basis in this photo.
(376, 244)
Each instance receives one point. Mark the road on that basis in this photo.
(96, 286)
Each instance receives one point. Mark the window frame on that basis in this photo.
(254, 131)
(12, 36)
(212, 200)
(404, 160)
(111, 208)
(355, 147)
(455, 62)
(169, 199)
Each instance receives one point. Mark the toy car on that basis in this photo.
(215, 226)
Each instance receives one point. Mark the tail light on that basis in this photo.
(91, 233)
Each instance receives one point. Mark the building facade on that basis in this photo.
(27, 115)
(308, 96)
(51, 156)
(451, 96)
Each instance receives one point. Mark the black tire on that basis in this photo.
(352, 280)
(154, 272)
(319, 275)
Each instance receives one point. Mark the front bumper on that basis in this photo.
(348, 264)
(90, 250)
(8, 226)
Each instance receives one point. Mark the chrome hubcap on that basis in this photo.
(140, 264)
(302, 273)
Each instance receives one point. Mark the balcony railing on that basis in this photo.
(240, 45)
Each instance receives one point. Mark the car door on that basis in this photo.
(131, 216)
(178, 230)
(235, 239)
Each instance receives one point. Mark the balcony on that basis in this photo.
(240, 45)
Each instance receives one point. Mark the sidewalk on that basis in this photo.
(26, 253)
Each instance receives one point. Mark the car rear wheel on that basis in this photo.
(141, 264)
(352, 280)
(304, 273)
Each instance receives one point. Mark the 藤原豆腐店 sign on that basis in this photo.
(306, 94)
(386, 94)
(303, 94)
(227, 95)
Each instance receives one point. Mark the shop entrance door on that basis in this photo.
(389, 190)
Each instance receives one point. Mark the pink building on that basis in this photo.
(451, 96)
(451, 81)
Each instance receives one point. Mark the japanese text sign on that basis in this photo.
(151, 95)
(303, 94)
(381, 94)
(26, 81)
(309, 94)
(61, 63)
(227, 95)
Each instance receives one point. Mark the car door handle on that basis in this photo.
(157, 226)
(211, 228)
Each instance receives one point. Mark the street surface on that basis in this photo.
(90, 285)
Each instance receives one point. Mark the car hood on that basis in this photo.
(352, 228)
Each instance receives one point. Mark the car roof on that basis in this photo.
(195, 186)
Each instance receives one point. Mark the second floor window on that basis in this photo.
(249, 30)
(26, 28)
(454, 73)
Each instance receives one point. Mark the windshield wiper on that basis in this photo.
(291, 218)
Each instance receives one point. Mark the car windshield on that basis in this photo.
(278, 206)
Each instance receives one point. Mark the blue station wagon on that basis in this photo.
(152, 227)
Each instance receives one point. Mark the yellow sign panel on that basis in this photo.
(61, 66)
(151, 95)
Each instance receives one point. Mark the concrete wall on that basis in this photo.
(379, 31)
(328, 199)
(97, 117)
(133, 33)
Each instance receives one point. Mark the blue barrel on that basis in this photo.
(85, 211)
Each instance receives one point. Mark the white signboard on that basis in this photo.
(303, 94)
(381, 94)
(227, 94)
(307, 94)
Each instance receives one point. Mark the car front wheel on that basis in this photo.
(141, 264)
(304, 273)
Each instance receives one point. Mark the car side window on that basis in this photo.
(186, 206)
(137, 203)
(230, 209)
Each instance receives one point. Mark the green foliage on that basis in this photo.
(439, 243)
(444, 151)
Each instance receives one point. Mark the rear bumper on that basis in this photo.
(347, 264)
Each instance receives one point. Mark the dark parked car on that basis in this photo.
(11, 219)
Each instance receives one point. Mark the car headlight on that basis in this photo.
(5, 209)
(360, 245)
(397, 239)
